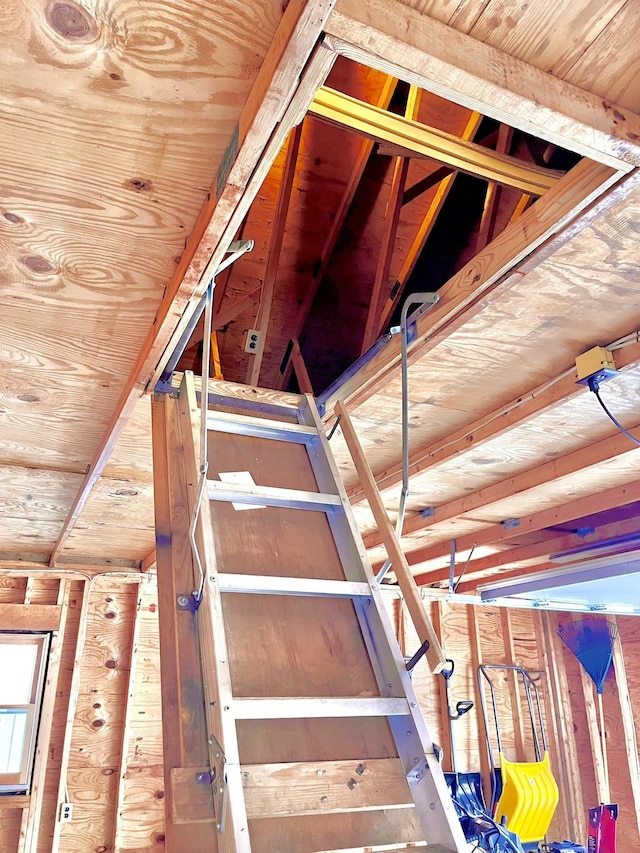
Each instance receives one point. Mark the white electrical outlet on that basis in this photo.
(66, 812)
(253, 341)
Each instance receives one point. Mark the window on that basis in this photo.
(23, 659)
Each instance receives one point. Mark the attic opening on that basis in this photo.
(384, 189)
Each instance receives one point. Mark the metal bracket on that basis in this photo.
(217, 778)
(510, 523)
(418, 772)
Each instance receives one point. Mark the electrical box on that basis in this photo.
(66, 812)
(253, 341)
(596, 363)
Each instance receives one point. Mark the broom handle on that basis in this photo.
(603, 740)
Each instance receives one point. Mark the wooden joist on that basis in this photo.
(459, 154)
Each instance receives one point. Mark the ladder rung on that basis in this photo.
(324, 787)
(260, 427)
(330, 706)
(270, 496)
(271, 585)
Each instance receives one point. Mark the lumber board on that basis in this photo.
(183, 737)
(415, 605)
(30, 617)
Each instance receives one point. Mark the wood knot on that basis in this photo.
(36, 263)
(72, 22)
(13, 217)
(109, 614)
(139, 185)
(27, 398)
(111, 664)
(97, 724)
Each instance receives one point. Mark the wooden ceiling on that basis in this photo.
(132, 149)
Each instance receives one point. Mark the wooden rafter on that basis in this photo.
(336, 226)
(360, 117)
(394, 208)
(275, 248)
(492, 196)
(426, 226)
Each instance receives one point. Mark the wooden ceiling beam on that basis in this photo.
(588, 505)
(411, 45)
(515, 555)
(510, 415)
(381, 125)
(549, 472)
(295, 65)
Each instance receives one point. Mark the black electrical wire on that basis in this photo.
(594, 386)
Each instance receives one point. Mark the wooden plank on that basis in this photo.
(233, 311)
(275, 248)
(270, 496)
(393, 210)
(628, 723)
(428, 221)
(16, 801)
(482, 78)
(126, 729)
(360, 117)
(475, 641)
(184, 735)
(494, 271)
(408, 586)
(324, 787)
(490, 210)
(72, 704)
(31, 617)
(300, 369)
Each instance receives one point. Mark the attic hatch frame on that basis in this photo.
(572, 119)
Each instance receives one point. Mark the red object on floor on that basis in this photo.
(602, 829)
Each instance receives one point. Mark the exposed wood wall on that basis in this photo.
(471, 635)
(100, 740)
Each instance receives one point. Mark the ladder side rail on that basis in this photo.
(234, 830)
(413, 742)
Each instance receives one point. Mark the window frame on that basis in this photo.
(20, 782)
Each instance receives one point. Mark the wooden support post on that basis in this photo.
(410, 591)
(126, 723)
(490, 211)
(72, 704)
(438, 613)
(184, 725)
(561, 741)
(275, 248)
(628, 723)
(476, 660)
(516, 703)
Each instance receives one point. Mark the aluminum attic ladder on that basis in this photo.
(315, 738)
